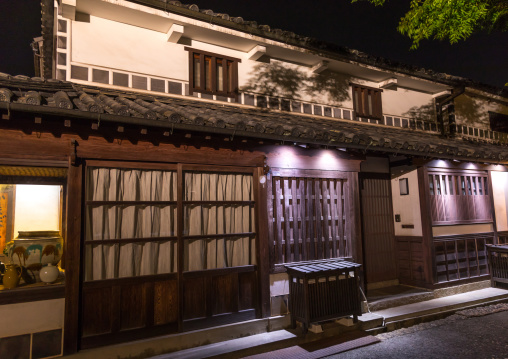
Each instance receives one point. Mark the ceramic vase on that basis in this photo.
(35, 249)
(49, 273)
(11, 276)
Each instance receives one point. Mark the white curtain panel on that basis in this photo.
(211, 219)
(109, 222)
(107, 261)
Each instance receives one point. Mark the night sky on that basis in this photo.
(361, 26)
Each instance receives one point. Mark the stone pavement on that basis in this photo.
(477, 333)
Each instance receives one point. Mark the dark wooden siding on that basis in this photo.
(377, 228)
(410, 260)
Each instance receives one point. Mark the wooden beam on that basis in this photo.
(175, 32)
(320, 67)
(256, 52)
(390, 84)
(68, 9)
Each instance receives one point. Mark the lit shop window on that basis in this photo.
(31, 244)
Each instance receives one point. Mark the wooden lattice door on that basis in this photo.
(377, 228)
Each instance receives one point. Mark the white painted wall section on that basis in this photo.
(279, 284)
(110, 44)
(31, 317)
(407, 206)
(500, 194)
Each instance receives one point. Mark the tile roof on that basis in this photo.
(59, 98)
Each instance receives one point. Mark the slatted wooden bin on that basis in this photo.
(323, 290)
(498, 263)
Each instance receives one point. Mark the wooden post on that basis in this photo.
(427, 238)
(180, 260)
(355, 217)
(72, 255)
(263, 257)
(492, 208)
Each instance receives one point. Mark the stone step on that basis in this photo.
(444, 304)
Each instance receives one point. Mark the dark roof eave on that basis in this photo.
(136, 121)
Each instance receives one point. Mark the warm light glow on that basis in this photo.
(37, 208)
(327, 160)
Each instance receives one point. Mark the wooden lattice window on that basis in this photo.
(212, 74)
(459, 197)
(311, 217)
(367, 102)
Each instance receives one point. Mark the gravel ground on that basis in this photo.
(477, 333)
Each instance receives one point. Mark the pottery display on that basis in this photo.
(11, 276)
(35, 249)
(49, 273)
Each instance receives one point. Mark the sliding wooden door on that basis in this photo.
(167, 248)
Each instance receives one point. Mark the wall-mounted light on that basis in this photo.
(403, 186)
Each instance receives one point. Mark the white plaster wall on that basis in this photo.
(31, 317)
(461, 229)
(129, 48)
(473, 110)
(500, 194)
(279, 284)
(407, 206)
(108, 44)
(403, 101)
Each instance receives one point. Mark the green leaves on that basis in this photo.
(451, 20)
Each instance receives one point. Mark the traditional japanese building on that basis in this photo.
(185, 156)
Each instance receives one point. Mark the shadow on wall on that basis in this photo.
(422, 113)
(275, 79)
(468, 111)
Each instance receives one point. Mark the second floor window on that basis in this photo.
(367, 102)
(212, 74)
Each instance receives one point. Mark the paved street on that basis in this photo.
(465, 336)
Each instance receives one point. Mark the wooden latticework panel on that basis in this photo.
(459, 197)
(461, 257)
(310, 218)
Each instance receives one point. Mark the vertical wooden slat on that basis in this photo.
(296, 220)
(429, 255)
(326, 215)
(272, 232)
(319, 222)
(287, 224)
(340, 216)
(333, 208)
(278, 220)
(310, 216)
(303, 215)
